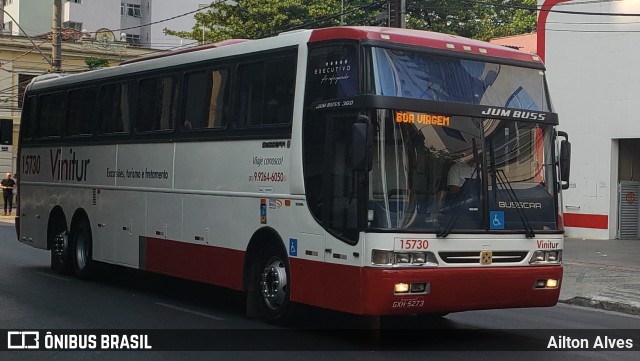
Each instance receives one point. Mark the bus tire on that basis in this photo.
(82, 250)
(60, 257)
(271, 283)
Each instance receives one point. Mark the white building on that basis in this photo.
(594, 80)
(140, 20)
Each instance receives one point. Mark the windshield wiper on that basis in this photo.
(503, 181)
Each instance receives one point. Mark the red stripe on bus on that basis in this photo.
(597, 221)
(370, 291)
(542, 25)
(214, 265)
(364, 290)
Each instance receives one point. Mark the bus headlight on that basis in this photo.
(390, 258)
(554, 256)
(418, 257)
(540, 257)
(380, 257)
(402, 258)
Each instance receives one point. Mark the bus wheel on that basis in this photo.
(60, 258)
(272, 280)
(81, 246)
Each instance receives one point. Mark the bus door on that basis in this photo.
(332, 184)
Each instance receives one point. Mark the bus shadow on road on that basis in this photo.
(178, 290)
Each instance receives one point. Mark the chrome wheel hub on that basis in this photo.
(60, 244)
(274, 284)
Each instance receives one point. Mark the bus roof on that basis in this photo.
(187, 50)
(422, 38)
(444, 42)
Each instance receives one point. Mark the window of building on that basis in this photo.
(7, 27)
(207, 99)
(72, 25)
(121, 9)
(75, 1)
(133, 39)
(133, 10)
(7, 2)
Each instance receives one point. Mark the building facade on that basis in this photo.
(593, 77)
(140, 22)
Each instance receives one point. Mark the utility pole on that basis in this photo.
(56, 49)
(397, 10)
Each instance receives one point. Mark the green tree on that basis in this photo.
(94, 63)
(253, 19)
(478, 19)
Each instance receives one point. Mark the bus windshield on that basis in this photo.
(424, 76)
(445, 173)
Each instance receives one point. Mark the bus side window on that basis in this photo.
(51, 115)
(29, 118)
(115, 108)
(250, 89)
(206, 99)
(81, 111)
(265, 92)
(156, 104)
(280, 77)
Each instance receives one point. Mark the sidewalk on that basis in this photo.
(602, 274)
(8, 219)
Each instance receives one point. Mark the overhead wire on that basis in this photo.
(541, 8)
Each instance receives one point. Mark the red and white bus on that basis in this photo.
(369, 170)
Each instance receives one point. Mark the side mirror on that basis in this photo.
(565, 160)
(361, 141)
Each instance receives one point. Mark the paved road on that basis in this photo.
(33, 297)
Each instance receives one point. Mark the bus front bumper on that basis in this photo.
(371, 290)
(458, 289)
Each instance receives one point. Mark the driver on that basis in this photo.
(459, 172)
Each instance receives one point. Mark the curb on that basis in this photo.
(603, 305)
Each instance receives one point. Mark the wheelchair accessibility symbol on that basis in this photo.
(293, 247)
(496, 220)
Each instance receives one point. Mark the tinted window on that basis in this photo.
(266, 92)
(416, 75)
(332, 73)
(23, 81)
(28, 117)
(81, 110)
(156, 104)
(51, 115)
(206, 99)
(115, 110)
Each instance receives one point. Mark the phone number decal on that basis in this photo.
(268, 177)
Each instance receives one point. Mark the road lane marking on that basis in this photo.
(190, 311)
(53, 276)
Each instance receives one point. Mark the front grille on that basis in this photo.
(474, 257)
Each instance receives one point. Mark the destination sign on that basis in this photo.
(422, 118)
